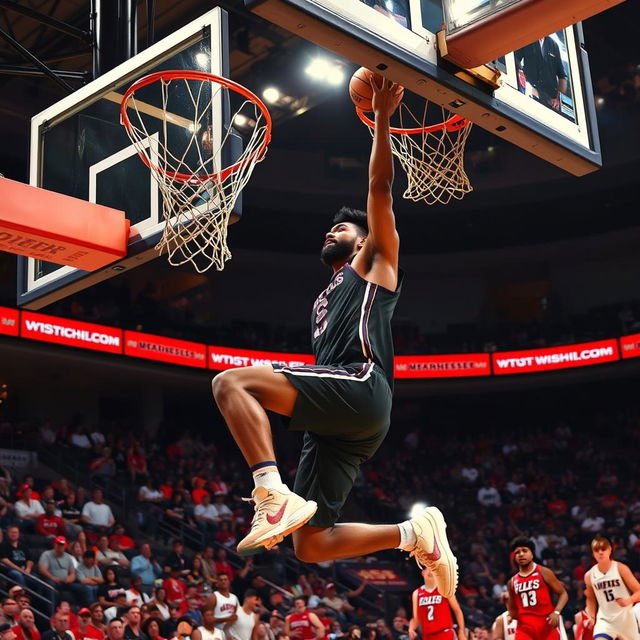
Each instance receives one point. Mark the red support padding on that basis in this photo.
(56, 228)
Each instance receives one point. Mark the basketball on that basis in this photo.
(360, 89)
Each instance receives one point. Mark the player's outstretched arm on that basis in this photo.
(378, 259)
(414, 622)
(558, 588)
(459, 616)
(497, 630)
(511, 604)
(631, 583)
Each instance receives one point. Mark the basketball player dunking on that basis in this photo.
(432, 612)
(530, 592)
(343, 402)
(303, 624)
(611, 589)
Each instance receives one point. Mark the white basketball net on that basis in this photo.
(433, 158)
(198, 194)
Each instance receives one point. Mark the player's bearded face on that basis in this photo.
(334, 250)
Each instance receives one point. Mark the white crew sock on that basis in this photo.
(269, 478)
(407, 536)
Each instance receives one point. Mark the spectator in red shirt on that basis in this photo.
(198, 491)
(222, 566)
(85, 630)
(26, 627)
(136, 464)
(174, 586)
(48, 523)
(557, 507)
(125, 541)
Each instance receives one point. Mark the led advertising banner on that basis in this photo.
(9, 321)
(446, 366)
(565, 357)
(221, 358)
(145, 345)
(630, 346)
(73, 333)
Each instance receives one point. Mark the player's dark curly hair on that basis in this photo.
(355, 216)
(523, 541)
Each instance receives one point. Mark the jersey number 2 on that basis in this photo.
(430, 615)
(529, 598)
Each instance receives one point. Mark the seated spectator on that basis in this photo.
(489, 496)
(176, 511)
(151, 628)
(174, 586)
(109, 553)
(85, 629)
(218, 486)
(26, 628)
(339, 603)
(56, 566)
(160, 601)
(89, 577)
(136, 464)
(177, 558)
(97, 618)
(60, 630)
(103, 466)
(132, 622)
(15, 556)
(70, 513)
(168, 627)
(97, 515)
(225, 535)
(147, 567)
(80, 438)
(27, 509)
(115, 629)
(592, 523)
(110, 589)
(10, 610)
(198, 491)
(64, 608)
(148, 495)
(120, 603)
(209, 566)
(206, 516)
(135, 595)
(223, 510)
(49, 524)
(125, 542)
(76, 552)
(195, 577)
(222, 566)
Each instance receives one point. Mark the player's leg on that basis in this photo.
(243, 396)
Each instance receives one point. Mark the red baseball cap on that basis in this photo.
(60, 540)
(84, 612)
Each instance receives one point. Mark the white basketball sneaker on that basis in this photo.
(433, 551)
(277, 515)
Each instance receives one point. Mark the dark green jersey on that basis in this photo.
(351, 322)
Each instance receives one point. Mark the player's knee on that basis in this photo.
(223, 384)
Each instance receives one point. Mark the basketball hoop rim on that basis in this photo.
(454, 123)
(185, 74)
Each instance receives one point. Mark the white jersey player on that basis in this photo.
(504, 627)
(612, 591)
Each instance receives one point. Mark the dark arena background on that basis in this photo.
(517, 339)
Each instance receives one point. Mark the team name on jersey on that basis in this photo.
(298, 623)
(427, 600)
(320, 306)
(519, 587)
(608, 584)
(227, 607)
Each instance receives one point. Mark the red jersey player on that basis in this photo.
(303, 624)
(432, 612)
(530, 600)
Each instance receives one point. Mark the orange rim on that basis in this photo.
(183, 74)
(454, 123)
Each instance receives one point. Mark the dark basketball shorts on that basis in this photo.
(344, 412)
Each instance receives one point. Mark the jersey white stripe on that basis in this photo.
(353, 377)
